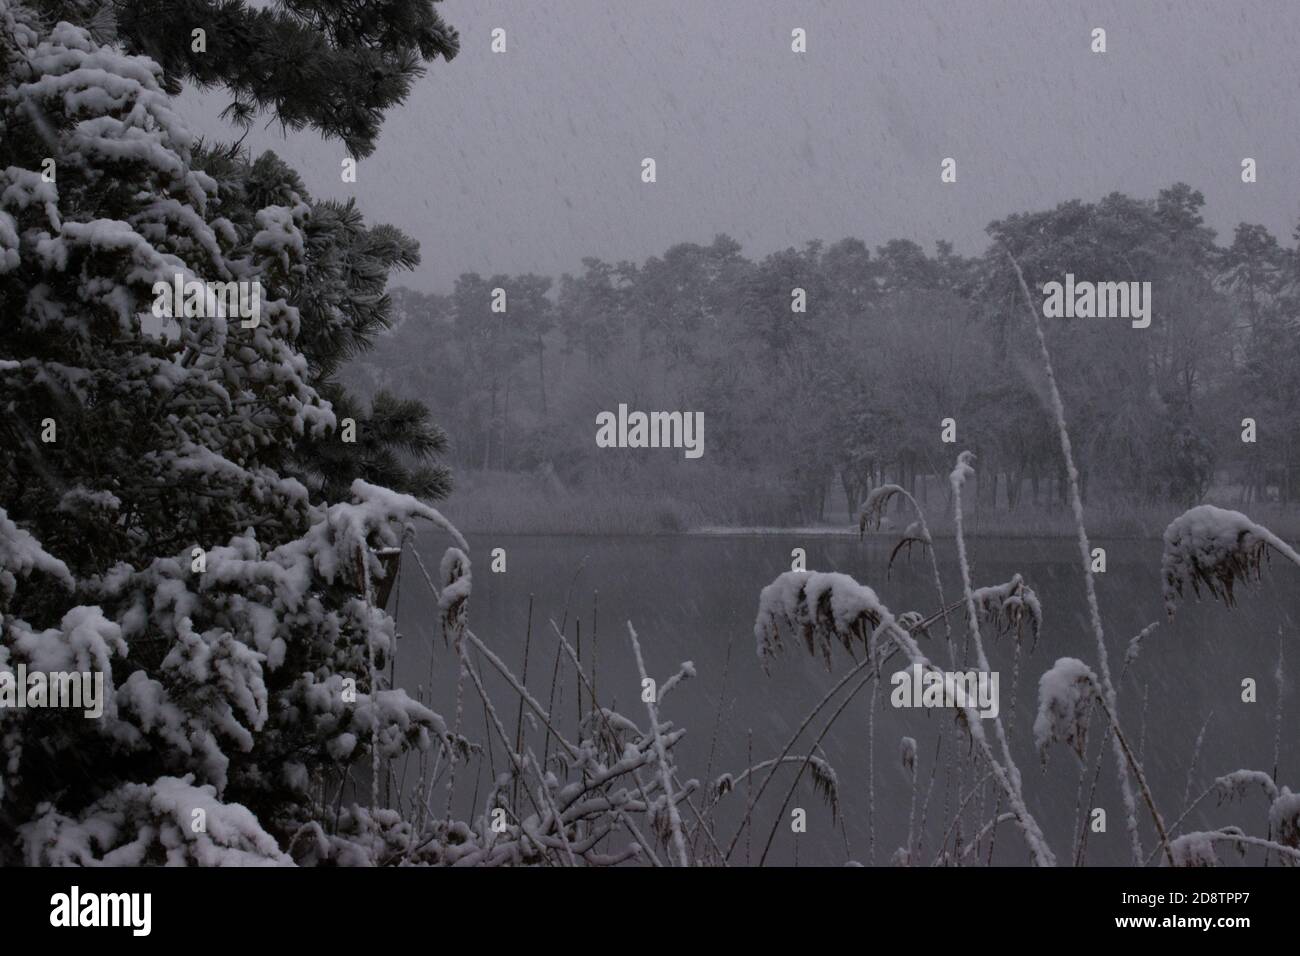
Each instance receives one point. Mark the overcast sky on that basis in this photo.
(530, 160)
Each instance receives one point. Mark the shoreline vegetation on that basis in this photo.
(537, 504)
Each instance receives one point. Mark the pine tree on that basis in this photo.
(343, 304)
(154, 527)
(331, 65)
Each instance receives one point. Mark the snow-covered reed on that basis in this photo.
(1085, 555)
(610, 791)
(1214, 548)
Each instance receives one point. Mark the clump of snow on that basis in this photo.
(9, 247)
(1009, 607)
(1197, 849)
(226, 631)
(169, 822)
(279, 237)
(1065, 696)
(818, 607)
(362, 837)
(685, 672)
(1284, 818)
(25, 187)
(85, 640)
(20, 555)
(1135, 643)
(77, 501)
(457, 583)
(907, 753)
(1239, 783)
(963, 471)
(913, 622)
(873, 509)
(1214, 548)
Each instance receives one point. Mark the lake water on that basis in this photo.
(694, 597)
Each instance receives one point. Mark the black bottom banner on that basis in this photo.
(232, 906)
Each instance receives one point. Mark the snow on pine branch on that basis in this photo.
(20, 555)
(154, 824)
(254, 662)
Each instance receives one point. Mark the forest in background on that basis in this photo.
(806, 412)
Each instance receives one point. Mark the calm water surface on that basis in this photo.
(693, 597)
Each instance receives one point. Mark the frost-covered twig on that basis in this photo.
(1196, 754)
(1085, 555)
(1065, 696)
(374, 682)
(873, 510)
(545, 791)
(956, 817)
(515, 758)
(1279, 688)
(753, 798)
(907, 752)
(989, 827)
(826, 607)
(1141, 779)
(871, 772)
(500, 667)
(925, 804)
(795, 782)
(600, 711)
(1196, 849)
(956, 481)
(645, 844)
(824, 777)
(674, 818)
(1173, 828)
(1135, 647)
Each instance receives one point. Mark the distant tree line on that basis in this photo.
(854, 388)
